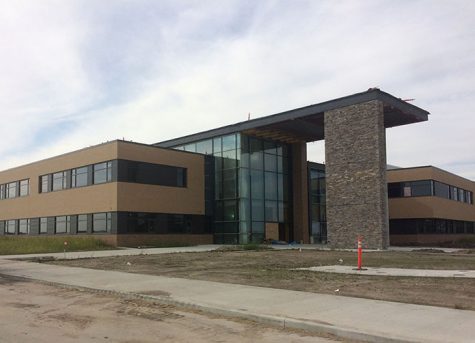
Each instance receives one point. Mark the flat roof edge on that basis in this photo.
(430, 166)
(369, 95)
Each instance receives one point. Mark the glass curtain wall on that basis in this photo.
(264, 185)
(317, 201)
(251, 186)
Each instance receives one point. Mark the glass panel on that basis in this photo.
(244, 229)
(10, 226)
(12, 190)
(59, 181)
(245, 209)
(244, 186)
(190, 147)
(280, 166)
(229, 158)
(218, 211)
(257, 208)
(205, 147)
(271, 186)
(109, 171)
(82, 223)
(79, 177)
(100, 222)
(441, 189)
(257, 184)
(229, 142)
(230, 227)
(453, 193)
(24, 226)
(394, 190)
(230, 210)
(461, 195)
(257, 227)
(217, 145)
(24, 187)
(255, 145)
(62, 224)
(44, 184)
(43, 225)
(229, 183)
(257, 160)
(270, 162)
(102, 172)
(270, 148)
(272, 214)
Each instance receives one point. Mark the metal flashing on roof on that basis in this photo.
(305, 124)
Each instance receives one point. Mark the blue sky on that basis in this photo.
(78, 73)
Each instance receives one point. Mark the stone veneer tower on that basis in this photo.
(355, 155)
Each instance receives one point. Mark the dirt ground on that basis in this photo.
(35, 312)
(273, 268)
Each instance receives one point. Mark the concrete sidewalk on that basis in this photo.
(354, 318)
(340, 269)
(116, 252)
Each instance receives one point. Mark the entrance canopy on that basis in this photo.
(306, 124)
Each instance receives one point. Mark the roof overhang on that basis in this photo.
(305, 124)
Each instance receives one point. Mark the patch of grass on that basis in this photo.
(11, 245)
(244, 247)
(250, 246)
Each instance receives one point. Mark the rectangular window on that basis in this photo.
(453, 193)
(10, 226)
(2, 192)
(12, 189)
(469, 197)
(79, 177)
(63, 224)
(205, 147)
(82, 223)
(43, 225)
(44, 184)
(421, 188)
(461, 195)
(102, 172)
(441, 190)
(24, 187)
(101, 222)
(59, 181)
(24, 226)
(151, 174)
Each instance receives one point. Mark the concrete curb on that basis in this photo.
(275, 321)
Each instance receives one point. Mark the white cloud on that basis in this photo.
(150, 72)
